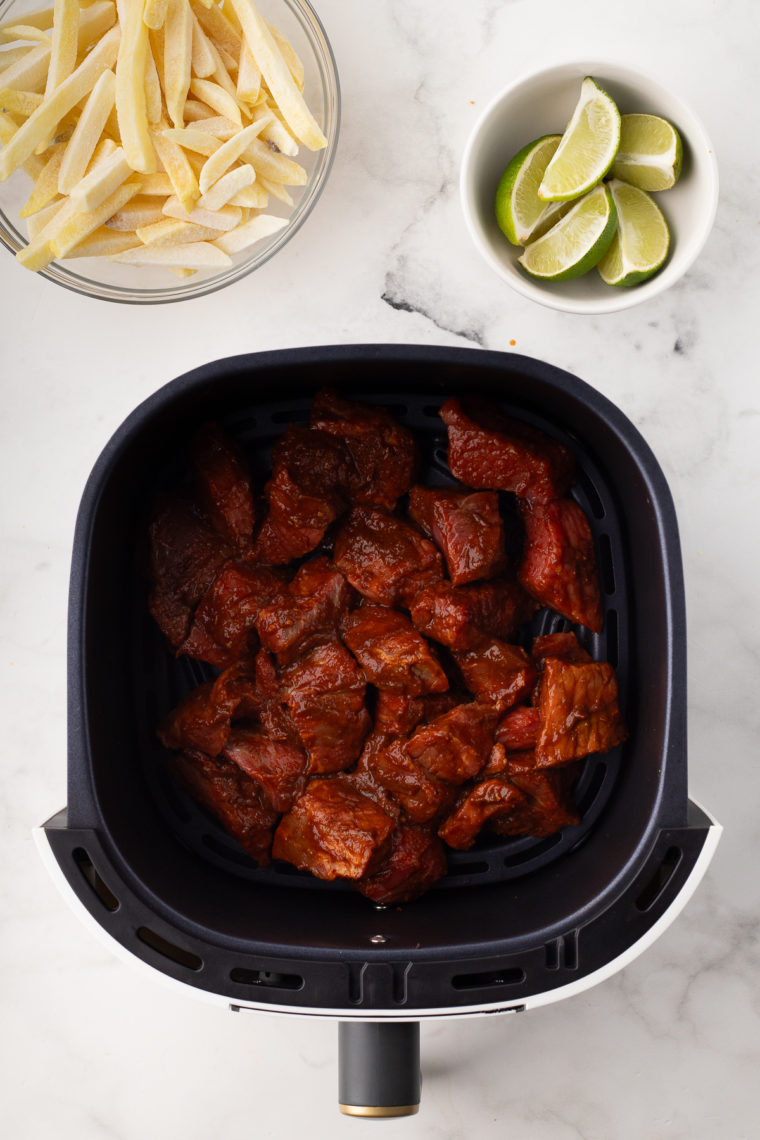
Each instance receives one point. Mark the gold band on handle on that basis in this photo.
(379, 1109)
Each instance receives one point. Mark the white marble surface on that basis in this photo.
(667, 1050)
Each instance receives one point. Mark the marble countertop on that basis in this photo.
(669, 1048)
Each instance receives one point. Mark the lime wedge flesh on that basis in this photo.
(641, 243)
(650, 153)
(518, 206)
(587, 149)
(577, 242)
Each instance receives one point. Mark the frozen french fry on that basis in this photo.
(192, 255)
(29, 71)
(202, 142)
(104, 243)
(289, 54)
(241, 237)
(103, 181)
(39, 125)
(131, 104)
(279, 136)
(39, 253)
(249, 76)
(81, 145)
(224, 219)
(222, 158)
(37, 222)
(22, 103)
(154, 14)
(203, 61)
(227, 187)
(153, 93)
(195, 110)
(176, 165)
(94, 22)
(27, 32)
(217, 125)
(81, 225)
(178, 46)
(46, 184)
(276, 189)
(139, 211)
(276, 73)
(171, 231)
(63, 51)
(218, 27)
(42, 19)
(156, 185)
(276, 167)
(253, 197)
(217, 98)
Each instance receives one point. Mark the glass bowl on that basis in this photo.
(148, 285)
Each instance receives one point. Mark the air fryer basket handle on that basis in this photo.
(379, 1068)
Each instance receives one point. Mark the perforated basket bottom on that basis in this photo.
(163, 681)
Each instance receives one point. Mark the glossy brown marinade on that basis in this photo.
(372, 704)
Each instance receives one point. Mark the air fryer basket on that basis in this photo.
(515, 920)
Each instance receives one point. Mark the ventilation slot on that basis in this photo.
(660, 879)
(562, 952)
(611, 621)
(509, 976)
(606, 568)
(168, 949)
(266, 978)
(91, 876)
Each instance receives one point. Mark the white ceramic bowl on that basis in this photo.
(542, 103)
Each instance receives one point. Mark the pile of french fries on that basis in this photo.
(154, 131)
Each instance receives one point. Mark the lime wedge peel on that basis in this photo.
(650, 153)
(518, 207)
(577, 242)
(640, 245)
(587, 149)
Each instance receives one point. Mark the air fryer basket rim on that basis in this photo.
(82, 813)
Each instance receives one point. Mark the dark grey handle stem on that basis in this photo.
(379, 1068)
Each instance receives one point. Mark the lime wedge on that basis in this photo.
(518, 206)
(577, 242)
(640, 246)
(587, 149)
(650, 153)
(552, 213)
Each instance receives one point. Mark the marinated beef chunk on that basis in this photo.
(392, 653)
(397, 714)
(225, 791)
(224, 485)
(488, 450)
(563, 646)
(420, 794)
(223, 627)
(324, 693)
(518, 730)
(422, 501)
(269, 708)
(467, 617)
(385, 558)
(470, 533)
(497, 673)
(384, 453)
(455, 746)
(416, 861)
(185, 555)
(307, 614)
(579, 712)
(548, 808)
(277, 767)
(307, 491)
(334, 831)
(496, 796)
(558, 566)
(197, 722)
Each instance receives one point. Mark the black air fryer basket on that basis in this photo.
(516, 922)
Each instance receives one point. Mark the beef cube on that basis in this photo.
(494, 797)
(307, 491)
(277, 767)
(334, 831)
(324, 693)
(185, 556)
(270, 710)
(470, 532)
(497, 673)
(234, 798)
(422, 501)
(500, 762)
(455, 746)
(558, 566)
(518, 730)
(393, 655)
(308, 614)
(224, 485)
(466, 617)
(397, 714)
(416, 861)
(421, 795)
(563, 646)
(548, 807)
(490, 451)
(385, 558)
(202, 720)
(384, 453)
(579, 712)
(223, 627)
